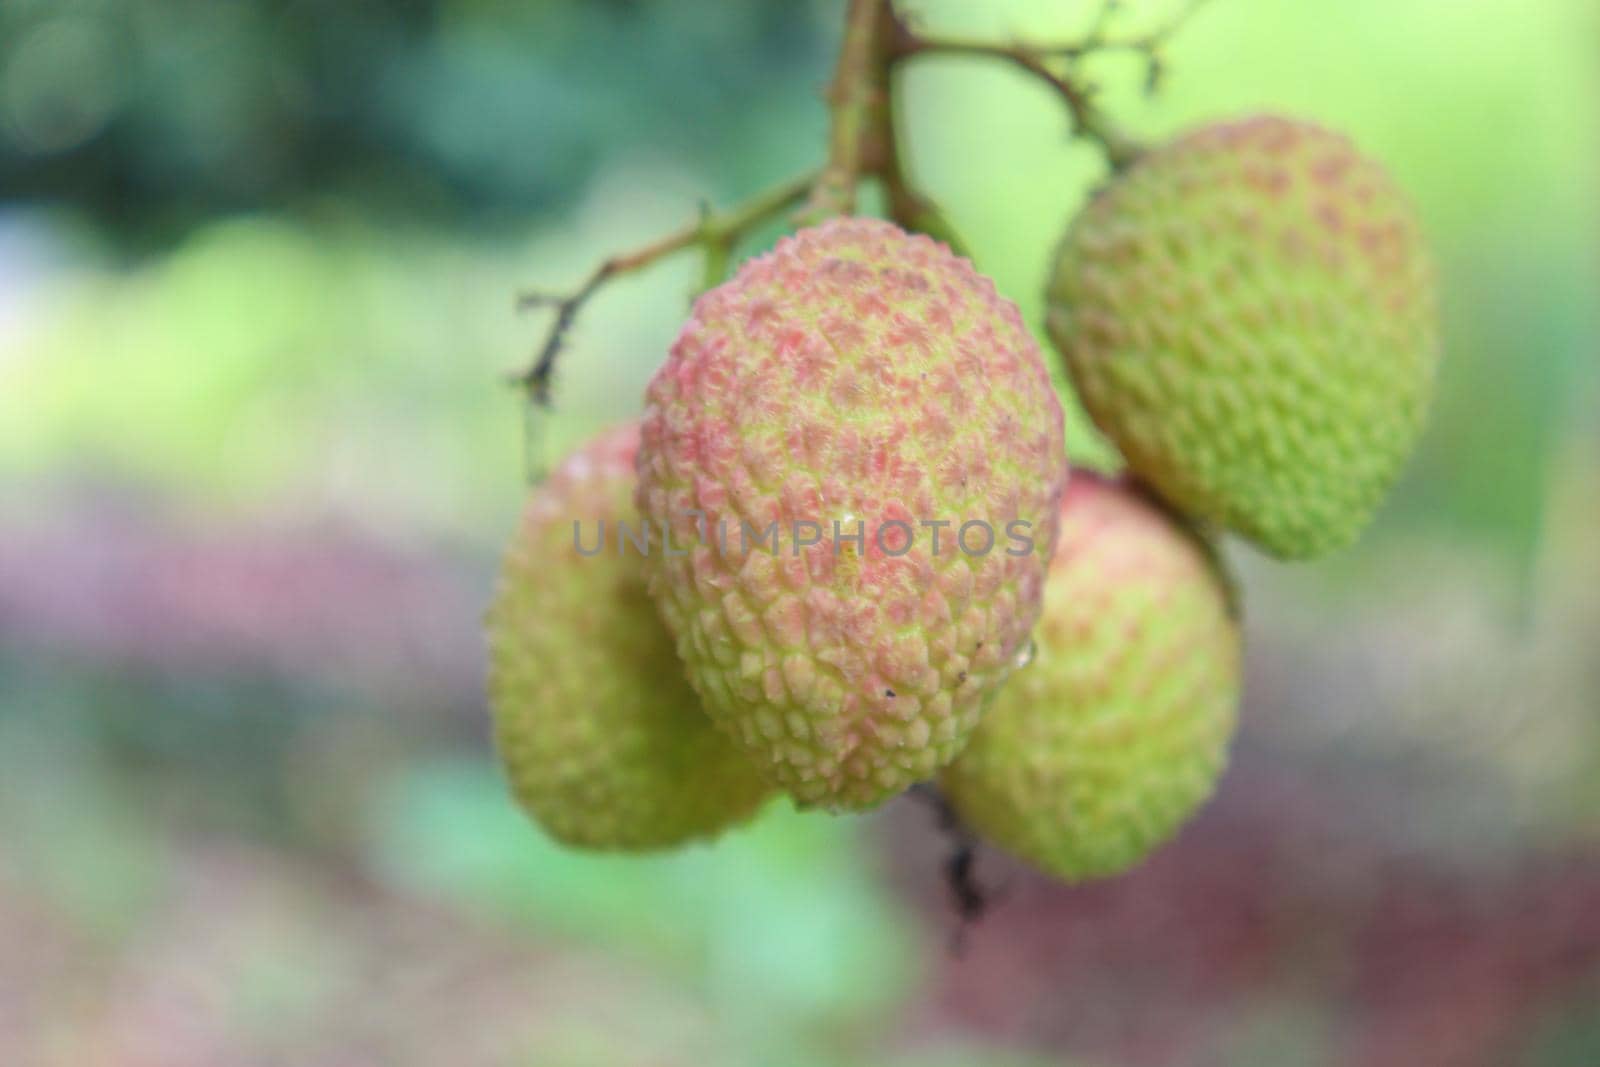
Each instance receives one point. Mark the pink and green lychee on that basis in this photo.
(602, 739)
(1248, 312)
(1110, 739)
(855, 385)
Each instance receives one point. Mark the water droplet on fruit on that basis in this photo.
(1025, 657)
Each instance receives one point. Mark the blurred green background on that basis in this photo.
(257, 262)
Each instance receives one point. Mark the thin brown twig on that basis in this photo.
(863, 143)
(908, 205)
(1088, 121)
(857, 91)
(1151, 45)
(715, 233)
(1100, 39)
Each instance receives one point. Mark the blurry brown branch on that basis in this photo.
(1088, 121)
(864, 143)
(856, 95)
(908, 206)
(714, 233)
(1057, 66)
(1100, 39)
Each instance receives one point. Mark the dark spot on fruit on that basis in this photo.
(888, 692)
(961, 677)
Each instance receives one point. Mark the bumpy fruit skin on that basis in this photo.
(1101, 748)
(1249, 313)
(861, 376)
(602, 739)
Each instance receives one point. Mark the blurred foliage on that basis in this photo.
(782, 923)
(155, 114)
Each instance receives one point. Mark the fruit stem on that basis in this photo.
(909, 207)
(858, 91)
(863, 142)
(1043, 60)
(714, 233)
(1088, 121)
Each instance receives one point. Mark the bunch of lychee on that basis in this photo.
(842, 553)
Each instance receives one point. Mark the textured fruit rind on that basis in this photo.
(600, 735)
(1101, 748)
(856, 375)
(1249, 313)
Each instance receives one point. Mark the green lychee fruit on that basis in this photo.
(1248, 312)
(1116, 732)
(850, 388)
(602, 739)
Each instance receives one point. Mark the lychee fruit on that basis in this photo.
(1248, 312)
(1109, 740)
(599, 733)
(856, 449)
